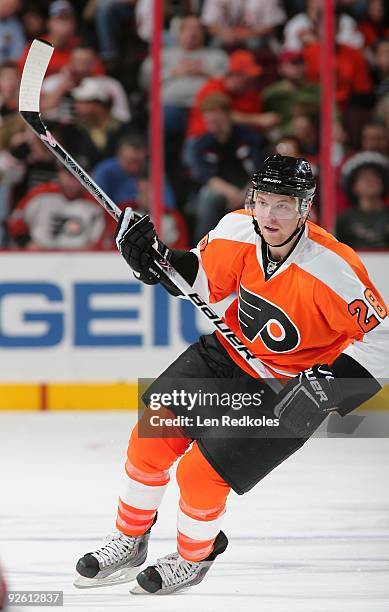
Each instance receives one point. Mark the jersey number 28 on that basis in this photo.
(359, 308)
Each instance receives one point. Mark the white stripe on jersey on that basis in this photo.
(331, 269)
(234, 226)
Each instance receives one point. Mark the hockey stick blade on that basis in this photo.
(34, 70)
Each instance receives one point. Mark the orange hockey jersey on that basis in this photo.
(319, 303)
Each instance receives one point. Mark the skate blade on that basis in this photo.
(136, 589)
(127, 574)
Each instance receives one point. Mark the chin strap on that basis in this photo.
(293, 234)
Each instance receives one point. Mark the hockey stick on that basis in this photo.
(34, 70)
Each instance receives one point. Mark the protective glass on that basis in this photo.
(279, 210)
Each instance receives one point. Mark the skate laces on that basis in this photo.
(174, 569)
(116, 549)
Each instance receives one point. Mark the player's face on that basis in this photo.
(277, 216)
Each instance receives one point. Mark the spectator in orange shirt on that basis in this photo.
(353, 80)
(239, 85)
(61, 32)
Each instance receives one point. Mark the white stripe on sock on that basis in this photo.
(138, 495)
(198, 530)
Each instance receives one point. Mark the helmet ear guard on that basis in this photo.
(305, 206)
(249, 203)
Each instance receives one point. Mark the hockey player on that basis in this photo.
(304, 305)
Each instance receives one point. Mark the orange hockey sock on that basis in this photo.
(202, 505)
(146, 479)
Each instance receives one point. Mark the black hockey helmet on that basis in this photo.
(285, 175)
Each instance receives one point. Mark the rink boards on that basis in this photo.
(77, 330)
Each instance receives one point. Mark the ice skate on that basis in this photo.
(173, 573)
(117, 561)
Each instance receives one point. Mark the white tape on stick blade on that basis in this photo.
(33, 74)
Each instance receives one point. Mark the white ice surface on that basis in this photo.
(312, 537)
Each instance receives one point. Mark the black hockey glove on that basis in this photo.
(135, 239)
(307, 399)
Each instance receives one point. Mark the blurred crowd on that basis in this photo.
(240, 79)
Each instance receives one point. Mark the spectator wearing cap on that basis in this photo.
(120, 175)
(185, 68)
(250, 24)
(94, 134)
(12, 40)
(292, 89)
(365, 178)
(57, 100)
(222, 162)
(239, 85)
(61, 33)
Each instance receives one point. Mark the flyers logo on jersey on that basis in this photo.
(259, 318)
